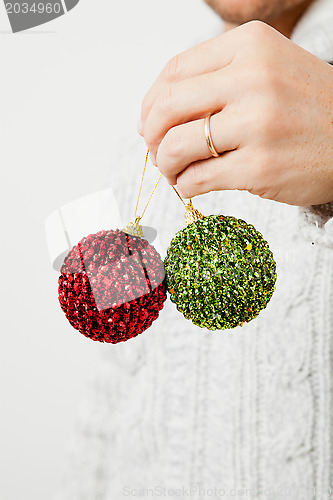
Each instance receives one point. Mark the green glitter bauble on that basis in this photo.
(220, 272)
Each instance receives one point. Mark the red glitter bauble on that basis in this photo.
(112, 286)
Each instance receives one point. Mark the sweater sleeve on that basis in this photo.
(316, 223)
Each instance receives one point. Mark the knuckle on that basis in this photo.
(192, 181)
(263, 82)
(172, 70)
(150, 137)
(256, 30)
(161, 115)
(172, 144)
(195, 176)
(166, 101)
(267, 77)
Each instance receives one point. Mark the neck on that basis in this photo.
(285, 23)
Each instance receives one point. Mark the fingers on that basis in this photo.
(225, 172)
(186, 143)
(206, 57)
(186, 101)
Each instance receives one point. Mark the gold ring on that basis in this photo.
(209, 139)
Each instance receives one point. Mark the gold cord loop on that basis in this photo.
(191, 214)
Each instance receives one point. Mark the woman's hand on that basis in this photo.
(272, 106)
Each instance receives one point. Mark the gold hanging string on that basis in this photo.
(137, 202)
(181, 199)
(134, 228)
(191, 214)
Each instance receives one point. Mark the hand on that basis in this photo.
(272, 106)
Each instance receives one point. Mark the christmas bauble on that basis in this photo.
(220, 272)
(112, 286)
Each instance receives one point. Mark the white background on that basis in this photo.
(68, 89)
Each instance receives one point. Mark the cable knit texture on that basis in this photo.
(248, 408)
(316, 223)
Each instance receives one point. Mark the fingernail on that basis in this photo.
(140, 126)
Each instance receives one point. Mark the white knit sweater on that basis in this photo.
(179, 407)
